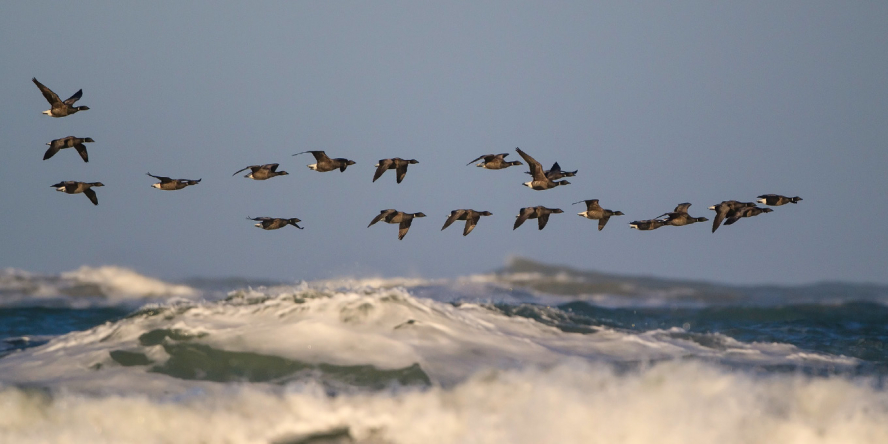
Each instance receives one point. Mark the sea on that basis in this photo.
(528, 353)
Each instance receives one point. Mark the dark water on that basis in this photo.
(23, 327)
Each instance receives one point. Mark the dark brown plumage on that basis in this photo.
(470, 216)
(540, 213)
(69, 142)
(325, 164)
(395, 163)
(58, 108)
(74, 187)
(594, 211)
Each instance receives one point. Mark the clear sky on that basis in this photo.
(655, 103)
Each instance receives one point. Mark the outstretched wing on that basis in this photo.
(454, 216)
(682, 208)
(470, 223)
(602, 222)
(542, 220)
(50, 96)
(404, 226)
(523, 215)
(251, 167)
(74, 98)
(383, 166)
(164, 179)
(536, 170)
(483, 156)
(53, 149)
(270, 167)
(91, 195)
(402, 171)
(81, 149)
(380, 216)
(555, 168)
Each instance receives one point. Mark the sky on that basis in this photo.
(655, 103)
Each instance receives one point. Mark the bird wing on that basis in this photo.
(542, 220)
(383, 166)
(74, 98)
(682, 208)
(536, 170)
(404, 226)
(402, 171)
(53, 149)
(50, 96)
(164, 179)
(251, 167)
(470, 223)
(379, 216)
(270, 167)
(720, 213)
(483, 156)
(454, 216)
(602, 222)
(523, 215)
(91, 195)
(555, 168)
(81, 149)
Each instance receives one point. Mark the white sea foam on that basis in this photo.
(572, 402)
(87, 286)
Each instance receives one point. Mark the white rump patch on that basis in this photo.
(313, 167)
(60, 189)
(762, 201)
(157, 185)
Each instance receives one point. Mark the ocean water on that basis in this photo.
(532, 353)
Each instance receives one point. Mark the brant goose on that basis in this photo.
(395, 163)
(59, 108)
(470, 216)
(540, 213)
(273, 223)
(680, 217)
(594, 211)
(172, 184)
(327, 164)
(494, 161)
(556, 173)
(775, 200)
(646, 225)
(397, 217)
(540, 181)
(262, 172)
(69, 142)
(725, 209)
(745, 212)
(74, 187)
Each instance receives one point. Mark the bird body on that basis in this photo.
(646, 225)
(401, 218)
(69, 142)
(745, 212)
(679, 216)
(725, 209)
(59, 108)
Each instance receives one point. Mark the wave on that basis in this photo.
(570, 402)
(87, 286)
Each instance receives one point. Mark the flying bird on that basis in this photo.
(775, 200)
(494, 161)
(470, 216)
(69, 142)
(725, 209)
(679, 216)
(555, 172)
(647, 225)
(325, 163)
(540, 181)
(395, 163)
(746, 212)
(273, 223)
(401, 218)
(262, 172)
(540, 213)
(74, 187)
(58, 108)
(594, 211)
(172, 184)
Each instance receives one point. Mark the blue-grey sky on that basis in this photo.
(655, 103)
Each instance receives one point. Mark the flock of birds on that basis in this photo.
(729, 211)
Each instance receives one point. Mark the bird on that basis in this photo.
(540, 213)
(57, 107)
(746, 212)
(74, 187)
(726, 209)
(495, 161)
(680, 217)
(273, 223)
(775, 200)
(555, 172)
(647, 225)
(172, 184)
(540, 181)
(395, 163)
(68, 142)
(470, 216)
(401, 218)
(325, 163)
(594, 211)
(262, 172)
